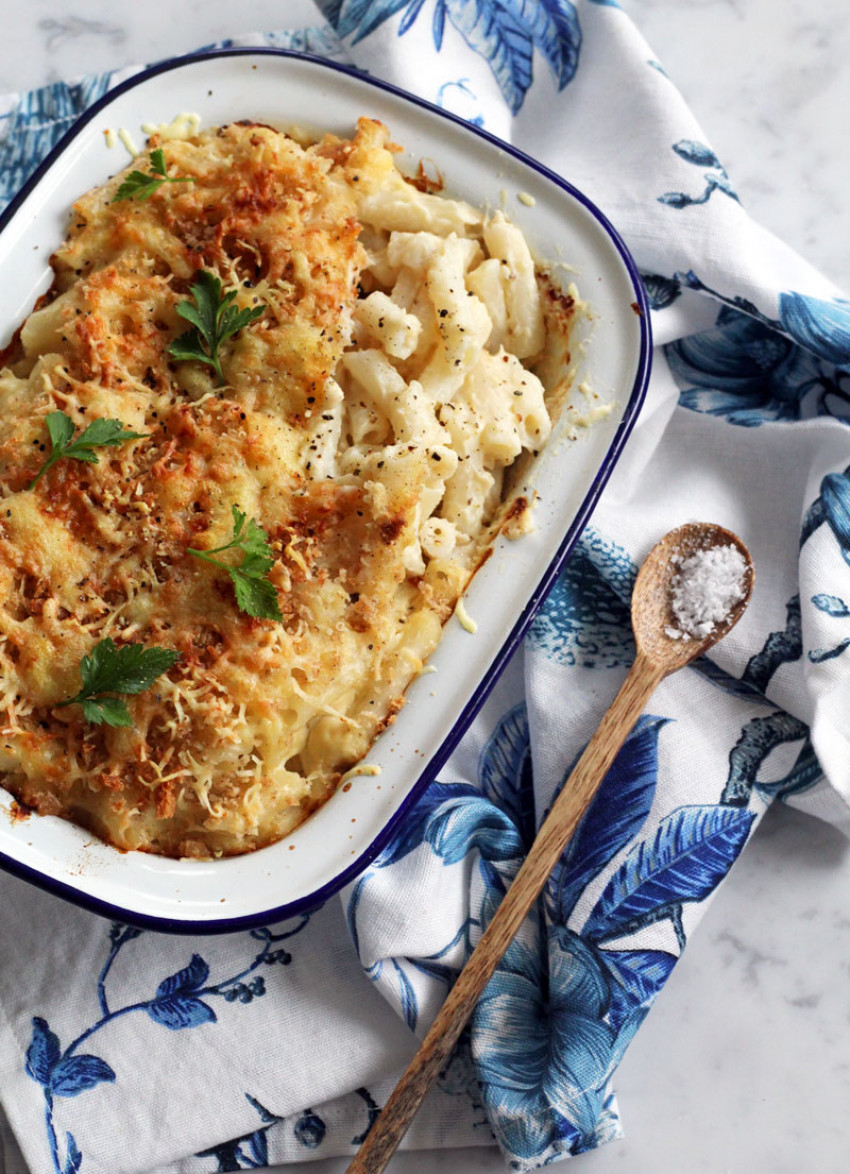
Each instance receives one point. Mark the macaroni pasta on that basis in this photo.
(368, 420)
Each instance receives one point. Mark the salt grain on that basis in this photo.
(705, 588)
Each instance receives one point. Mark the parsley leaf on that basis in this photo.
(139, 186)
(100, 433)
(254, 593)
(214, 318)
(256, 596)
(108, 669)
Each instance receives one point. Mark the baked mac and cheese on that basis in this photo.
(368, 420)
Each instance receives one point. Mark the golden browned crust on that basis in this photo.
(253, 726)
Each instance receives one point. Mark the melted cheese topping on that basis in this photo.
(258, 721)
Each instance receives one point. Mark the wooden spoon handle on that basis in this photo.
(567, 810)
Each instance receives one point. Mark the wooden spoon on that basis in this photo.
(659, 653)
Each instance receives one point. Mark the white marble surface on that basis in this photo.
(744, 1063)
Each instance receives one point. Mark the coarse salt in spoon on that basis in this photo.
(691, 590)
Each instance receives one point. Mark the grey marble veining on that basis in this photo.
(770, 83)
(743, 1067)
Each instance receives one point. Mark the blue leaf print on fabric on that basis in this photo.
(438, 23)
(576, 976)
(505, 772)
(258, 1149)
(698, 153)
(615, 816)
(412, 830)
(819, 325)
(548, 1033)
(639, 976)
(73, 1157)
(586, 619)
(713, 183)
(493, 31)
(692, 850)
(832, 508)
(463, 823)
(743, 371)
(819, 655)
(832, 605)
(76, 1074)
(443, 816)
(190, 979)
(556, 33)
(43, 1052)
(179, 1013)
(512, 1037)
(362, 17)
(409, 1002)
(331, 10)
(681, 199)
(835, 509)
(61, 1075)
(177, 1005)
(495, 886)
(701, 156)
(453, 819)
(661, 291)
(504, 32)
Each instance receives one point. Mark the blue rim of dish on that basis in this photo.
(633, 405)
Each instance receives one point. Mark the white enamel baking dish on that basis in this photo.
(284, 89)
